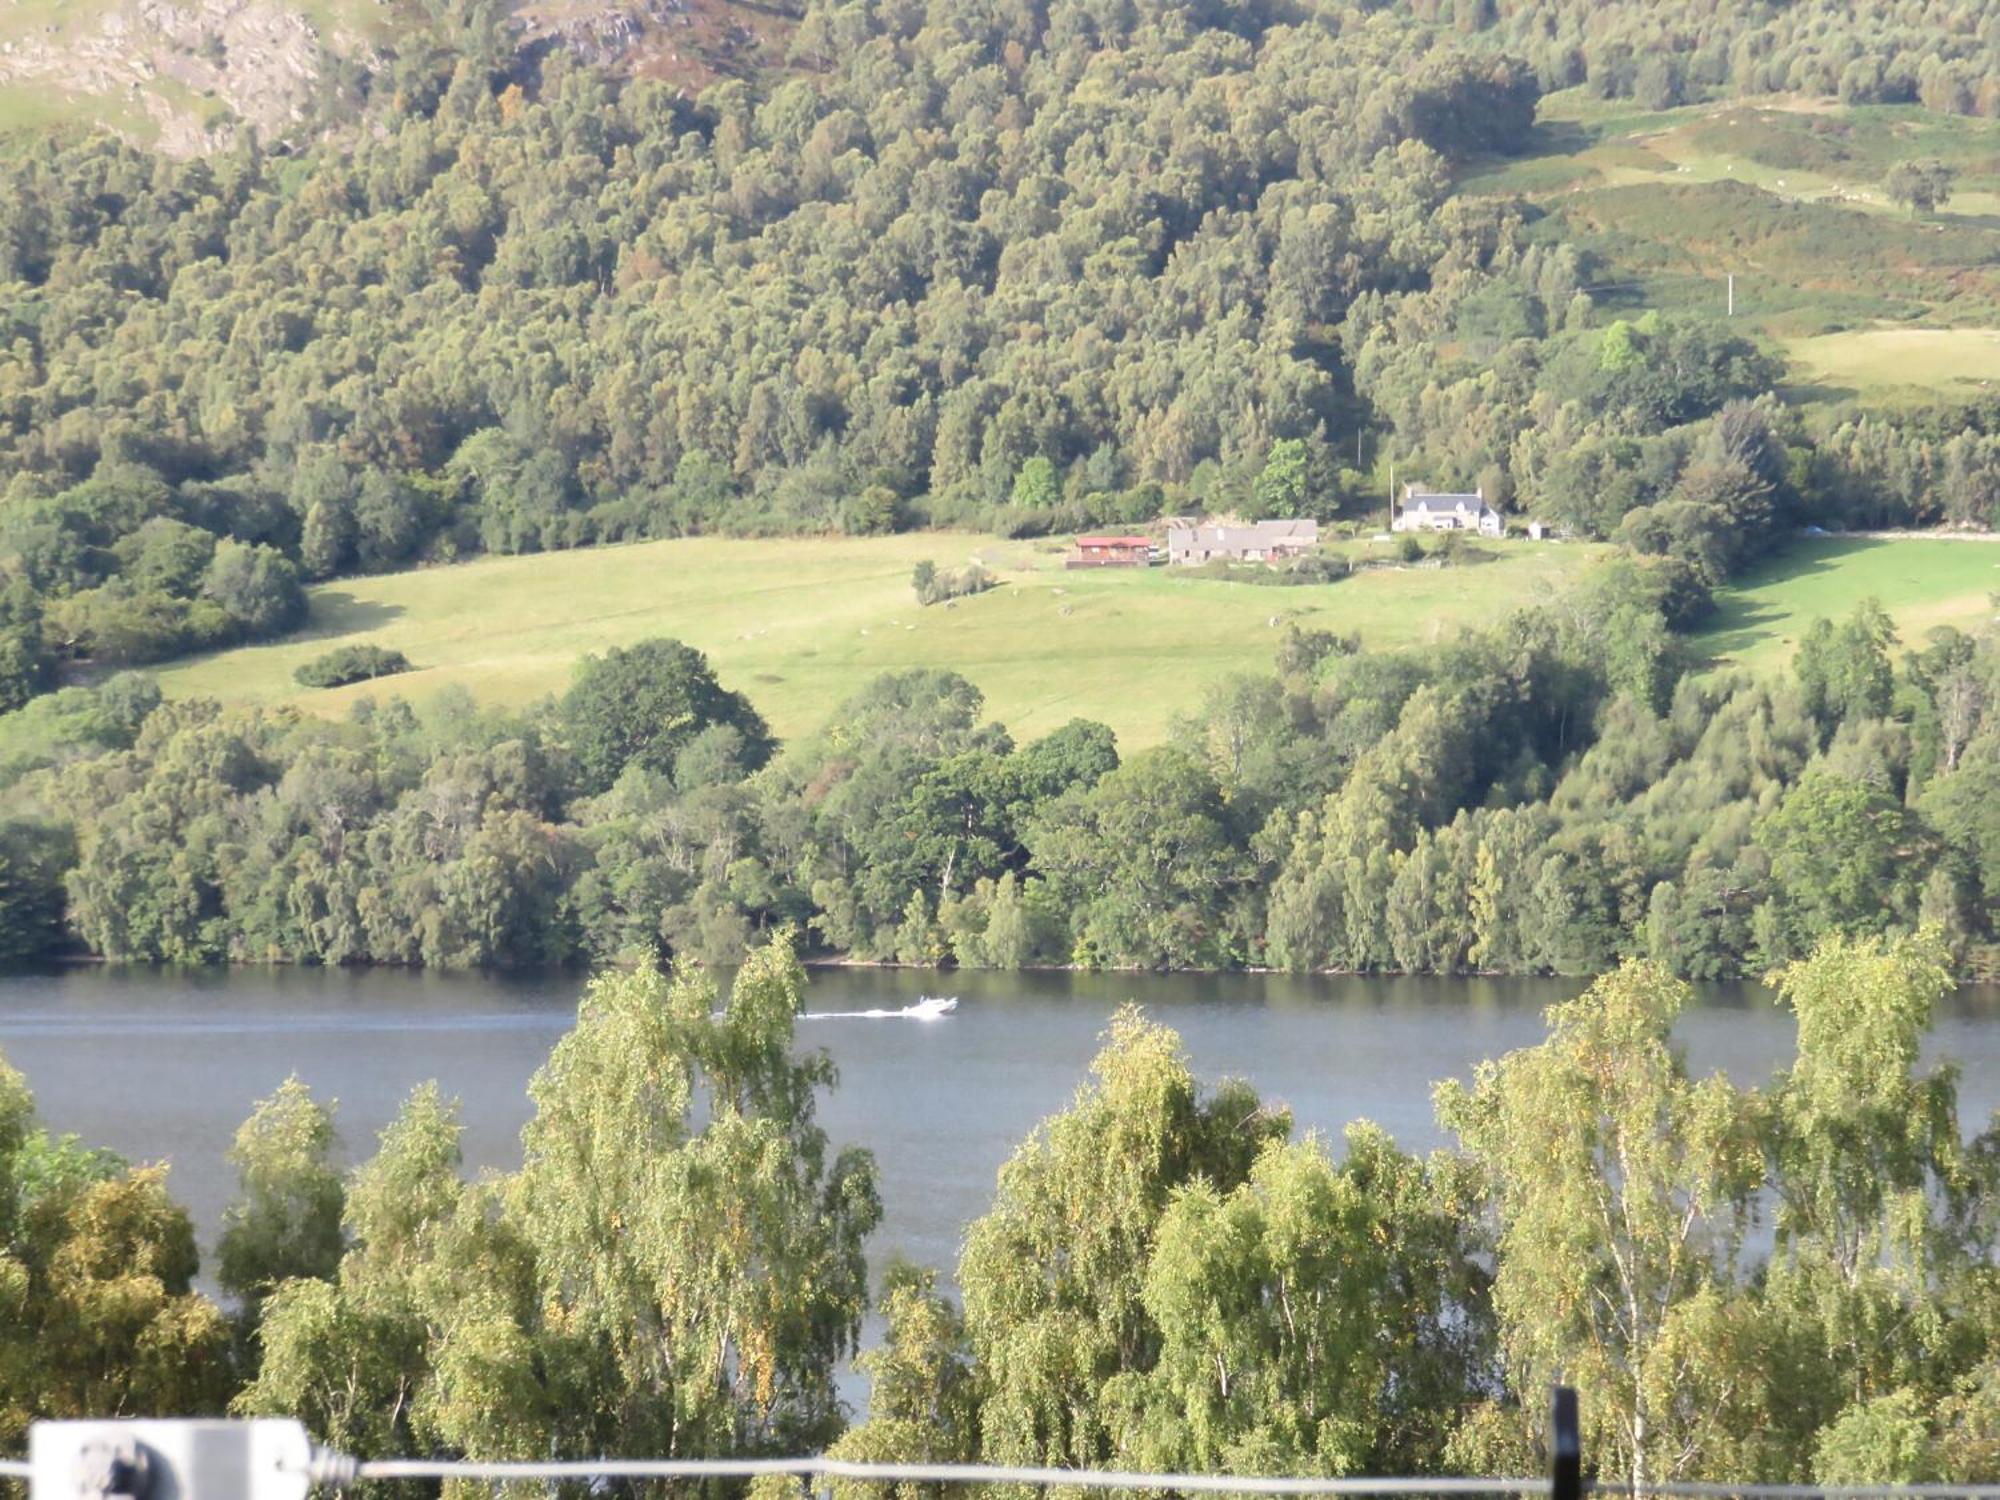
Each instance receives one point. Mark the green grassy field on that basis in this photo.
(1921, 583)
(1794, 148)
(1880, 359)
(800, 624)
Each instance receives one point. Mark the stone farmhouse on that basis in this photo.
(1189, 545)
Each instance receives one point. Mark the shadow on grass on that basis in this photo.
(1550, 145)
(1819, 392)
(1548, 138)
(1742, 622)
(336, 613)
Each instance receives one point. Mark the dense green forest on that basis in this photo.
(1018, 265)
(1790, 1282)
(1552, 795)
(1938, 53)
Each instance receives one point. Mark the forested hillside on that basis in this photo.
(1940, 53)
(1020, 265)
(1028, 267)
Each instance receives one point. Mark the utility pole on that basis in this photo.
(1392, 494)
(1732, 294)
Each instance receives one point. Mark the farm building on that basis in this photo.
(1260, 541)
(1112, 552)
(1427, 510)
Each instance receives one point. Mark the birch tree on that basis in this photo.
(1054, 1274)
(285, 1221)
(1876, 1199)
(1619, 1188)
(676, 1269)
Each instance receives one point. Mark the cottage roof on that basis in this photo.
(1114, 541)
(1433, 500)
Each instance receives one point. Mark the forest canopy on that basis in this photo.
(1015, 266)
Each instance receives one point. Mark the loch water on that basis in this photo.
(163, 1065)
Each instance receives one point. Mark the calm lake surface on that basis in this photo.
(165, 1066)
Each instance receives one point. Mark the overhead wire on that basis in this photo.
(547, 1471)
(833, 1468)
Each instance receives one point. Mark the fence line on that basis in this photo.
(276, 1459)
(1692, 1490)
(1115, 1479)
(830, 1468)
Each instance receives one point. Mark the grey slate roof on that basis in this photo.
(1257, 536)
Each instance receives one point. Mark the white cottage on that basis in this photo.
(1430, 510)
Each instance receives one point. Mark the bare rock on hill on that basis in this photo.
(201, 69)
(193, 74)
(691, 43)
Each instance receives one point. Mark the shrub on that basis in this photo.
(1313, 568)
(351, 664)
(935, 587)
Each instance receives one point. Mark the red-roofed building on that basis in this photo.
(1112, 552)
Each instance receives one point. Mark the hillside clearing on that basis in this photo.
(1786, 194)
(800, 624)
(1884, 358)
(1921, 582)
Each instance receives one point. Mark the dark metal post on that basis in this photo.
(1565, 1446)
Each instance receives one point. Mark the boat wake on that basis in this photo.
(929, 1008)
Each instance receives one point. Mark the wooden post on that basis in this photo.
(1565, 1446)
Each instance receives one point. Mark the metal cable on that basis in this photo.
(833, 1468)
(1094, 1479)
(1106, 1479)
(1692, 1490)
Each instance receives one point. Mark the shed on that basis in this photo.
(1112, 552)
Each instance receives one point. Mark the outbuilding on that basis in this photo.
(1112, 552)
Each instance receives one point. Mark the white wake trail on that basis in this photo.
(929, 1008)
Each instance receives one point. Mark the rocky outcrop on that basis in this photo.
(596, 31)
(199, 69)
